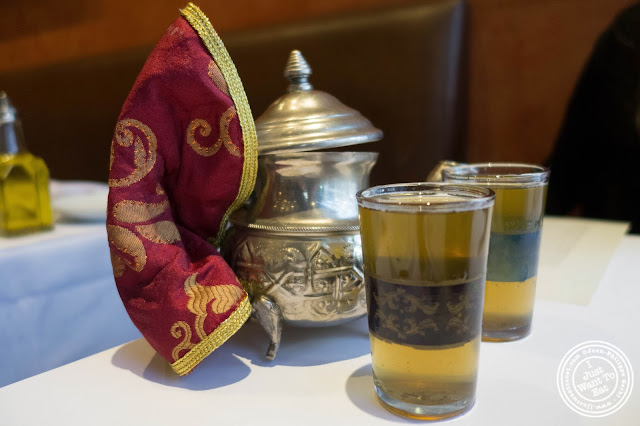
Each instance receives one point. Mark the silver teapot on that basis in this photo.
(295, 244)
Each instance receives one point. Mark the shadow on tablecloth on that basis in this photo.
(228, 364)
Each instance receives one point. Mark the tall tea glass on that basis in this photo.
(515, 242)
(424, 249)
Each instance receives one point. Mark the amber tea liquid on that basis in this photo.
(513, 262)
(515, 242)
(425, 276)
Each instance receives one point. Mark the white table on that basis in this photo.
(58, 300)
(323, 376)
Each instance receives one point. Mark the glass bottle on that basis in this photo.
(24, 179)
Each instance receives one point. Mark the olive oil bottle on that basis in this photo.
(24, 179)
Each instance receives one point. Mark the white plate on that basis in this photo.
(79, 200)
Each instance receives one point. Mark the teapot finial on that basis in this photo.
(297, 72)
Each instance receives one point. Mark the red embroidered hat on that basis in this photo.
(183, 157)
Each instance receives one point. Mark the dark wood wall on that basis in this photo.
(524, 55)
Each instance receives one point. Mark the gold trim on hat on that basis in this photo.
(214, 340)
(214, 44)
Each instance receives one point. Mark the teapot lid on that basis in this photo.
(306, 120)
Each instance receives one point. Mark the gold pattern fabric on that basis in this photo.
(214, 340)
(118, 265)
(128, 244)
(205, 130)
(181, 330)
(162, 232)
(156, 226)
(216, 76)
(220, 297)
(131, 211)
(143, 158)
(215, 46)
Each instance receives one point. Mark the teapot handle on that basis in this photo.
(435, 175)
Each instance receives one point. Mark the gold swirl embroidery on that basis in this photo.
(221, 297)
(143, 160)
(131, 211)
(177, 331)
(214, 340)
(162, 232)
(159, 190)
(215, 46)
(117, 263)
(205, 130)
(217, 78)
(128, 243)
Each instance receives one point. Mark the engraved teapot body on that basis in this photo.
(295, 244)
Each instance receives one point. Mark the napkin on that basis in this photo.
(183, 157)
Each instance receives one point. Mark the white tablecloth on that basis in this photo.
(323, 376)
(58, 300)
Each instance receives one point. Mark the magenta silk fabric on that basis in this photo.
(176, 166)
